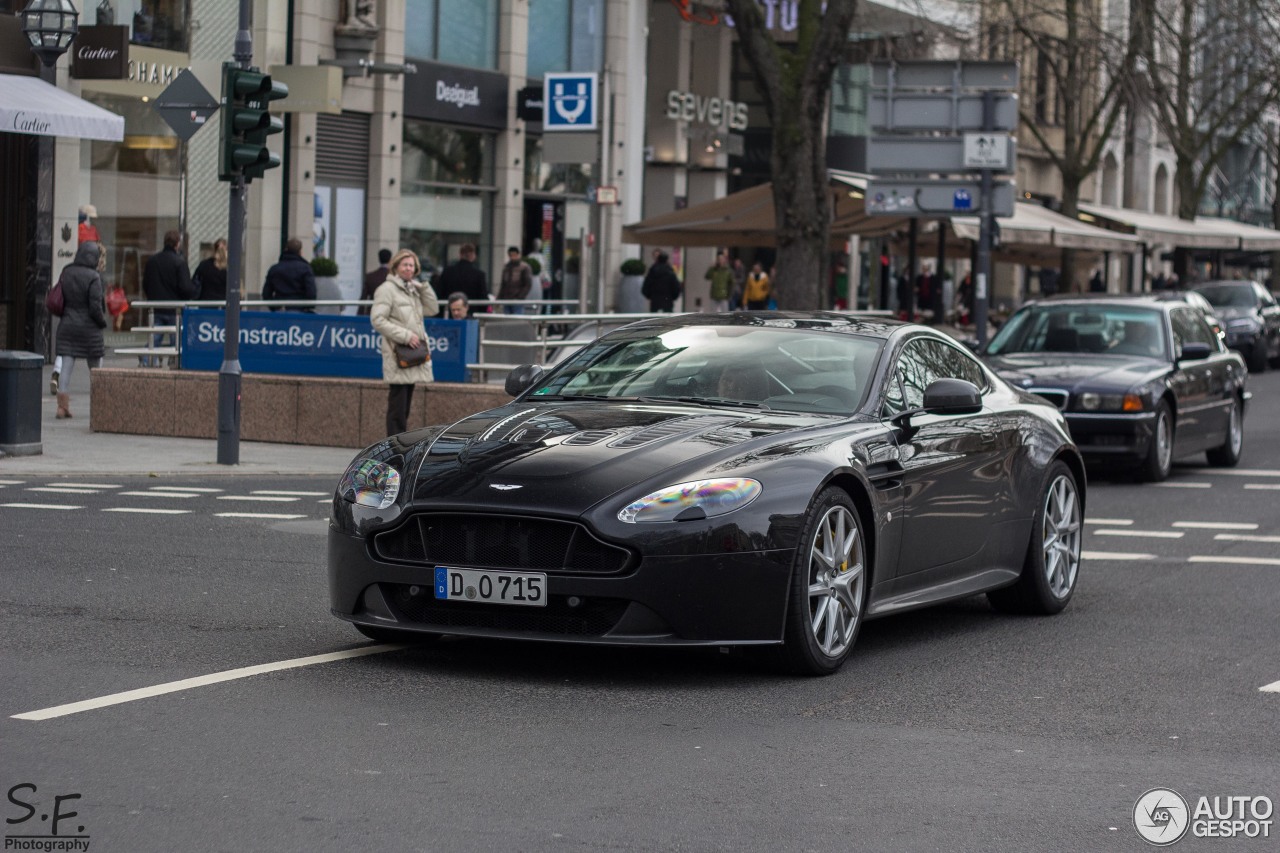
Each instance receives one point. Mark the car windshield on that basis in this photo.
(734, 366)
(1077, 328)
(1229, 295)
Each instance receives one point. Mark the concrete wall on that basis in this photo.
(287, 409)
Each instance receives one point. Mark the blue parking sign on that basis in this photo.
(569, 101)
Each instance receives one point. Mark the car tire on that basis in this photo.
(396, 635)
(1258, 356)
(1228, 455)
(1159, 461)
(1052, 564)
(829, 581)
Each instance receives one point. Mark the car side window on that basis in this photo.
(1190, 327)
(911, 374)
(955, 363)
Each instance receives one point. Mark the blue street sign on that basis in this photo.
(570, 101)
(962, 200)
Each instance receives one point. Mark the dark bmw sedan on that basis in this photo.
(1142, 380)
(1251, 319)
(748, 479)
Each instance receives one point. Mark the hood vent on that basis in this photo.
(667, 429)
(586, 437)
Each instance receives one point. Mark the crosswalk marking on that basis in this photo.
(159, 494)
(11, 482)
(260, 498)
(1261, 486)
(1147, 534)
(1216, 525)
(1237, 561)
(62, 490)
(147, 510)
(1184, 485)
(40, 506)
(1110, 522)
(86, 485)
(194, 489)
(1243, 472)
(280, 515)
(1244, 537)
(293, 494)
(1273, 687)
(1115, 555)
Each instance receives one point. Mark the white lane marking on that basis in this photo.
(1184, 485)
(147, 510)
(1267, 486)
(1243, 472)
(1244, 537)
(11, 482)
(62, 490)
(158, 494)
(1273, 687)
(1110, 522)
(200, 681)
(40, 506)
(1115, 555)
(294, 494)
(261, 498)
(87, 485)
(283, 515)
(1148, 534)
(195, 489)
(1216, 525)
(1238, 561)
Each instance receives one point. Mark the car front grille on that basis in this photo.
(588, 617)
(1053, 395)
(500, 542)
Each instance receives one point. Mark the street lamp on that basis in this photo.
(49, 25)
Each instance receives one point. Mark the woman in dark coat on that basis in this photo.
(210, 278)
(83, 318)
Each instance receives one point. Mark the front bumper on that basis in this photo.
(704, 599)
(1112, 436)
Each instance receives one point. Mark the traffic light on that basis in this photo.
(247, 122)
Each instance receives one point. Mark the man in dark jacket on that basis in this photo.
(517, 281)
(464, 277)
(291, 277)
(661, 286)
(166, 277)
(374, 279)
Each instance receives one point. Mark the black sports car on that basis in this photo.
(738, 479)
(1143, 380)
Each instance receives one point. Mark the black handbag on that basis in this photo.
(407, 356)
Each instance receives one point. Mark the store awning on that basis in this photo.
(1036, 225)
(30, 105)
(1204, 232)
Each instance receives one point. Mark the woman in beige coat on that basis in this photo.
(399, 305)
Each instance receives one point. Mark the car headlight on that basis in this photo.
(369, 482)
(1090, 402)
(692, 501)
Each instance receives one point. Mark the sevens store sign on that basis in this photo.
(570, 101)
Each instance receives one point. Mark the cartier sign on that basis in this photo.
(100, 53)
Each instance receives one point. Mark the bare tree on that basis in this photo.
(795, 82)
(1073, 64)
(1207, 73)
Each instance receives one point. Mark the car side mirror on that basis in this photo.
(1194, 351)
(522, 379)
(944, 397)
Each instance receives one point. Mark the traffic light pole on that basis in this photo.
(986, 230)
(229, 374)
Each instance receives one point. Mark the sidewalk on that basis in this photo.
(70, 448)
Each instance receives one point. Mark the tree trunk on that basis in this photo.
(802, 213)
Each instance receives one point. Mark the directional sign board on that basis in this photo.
(185, 105)
(887, 197)
(942, 155)
(945, 74)
(939, 111)
(570, 101)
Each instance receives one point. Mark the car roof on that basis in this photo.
(822, 321)
(1156, 300)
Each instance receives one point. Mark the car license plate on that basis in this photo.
(527, 588)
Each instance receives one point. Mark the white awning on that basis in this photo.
(1252, 237)
(30, 105)
(1156, 229)
(1036, 225)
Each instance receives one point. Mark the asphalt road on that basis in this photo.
(950, 729)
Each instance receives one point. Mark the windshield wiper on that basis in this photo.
(604, 397)
(708, 401)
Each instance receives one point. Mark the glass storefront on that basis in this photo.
(565, 35)
(446, 191)
(453, 32)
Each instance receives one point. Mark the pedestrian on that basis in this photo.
(721, 277)
(1158, 283)
(210, 277)
(463, 275)
(661, 285)
(756, 289)
(924, 289)
(458, 306)
(291, 278)
(840, 287)
(83, 319)
(1048, 281)
(755, 293)
(399, 307)
(906, 297)
(739, 282)
(166, 278)
(516, 280)
(374, 279)
(544, 281)
(966, 298)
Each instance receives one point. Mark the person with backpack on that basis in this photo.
(721, 277)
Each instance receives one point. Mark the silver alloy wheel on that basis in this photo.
(1235, 431)
(837, 572)
(1061, 533)
(1164, 440)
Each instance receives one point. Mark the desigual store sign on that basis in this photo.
(456, 95)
